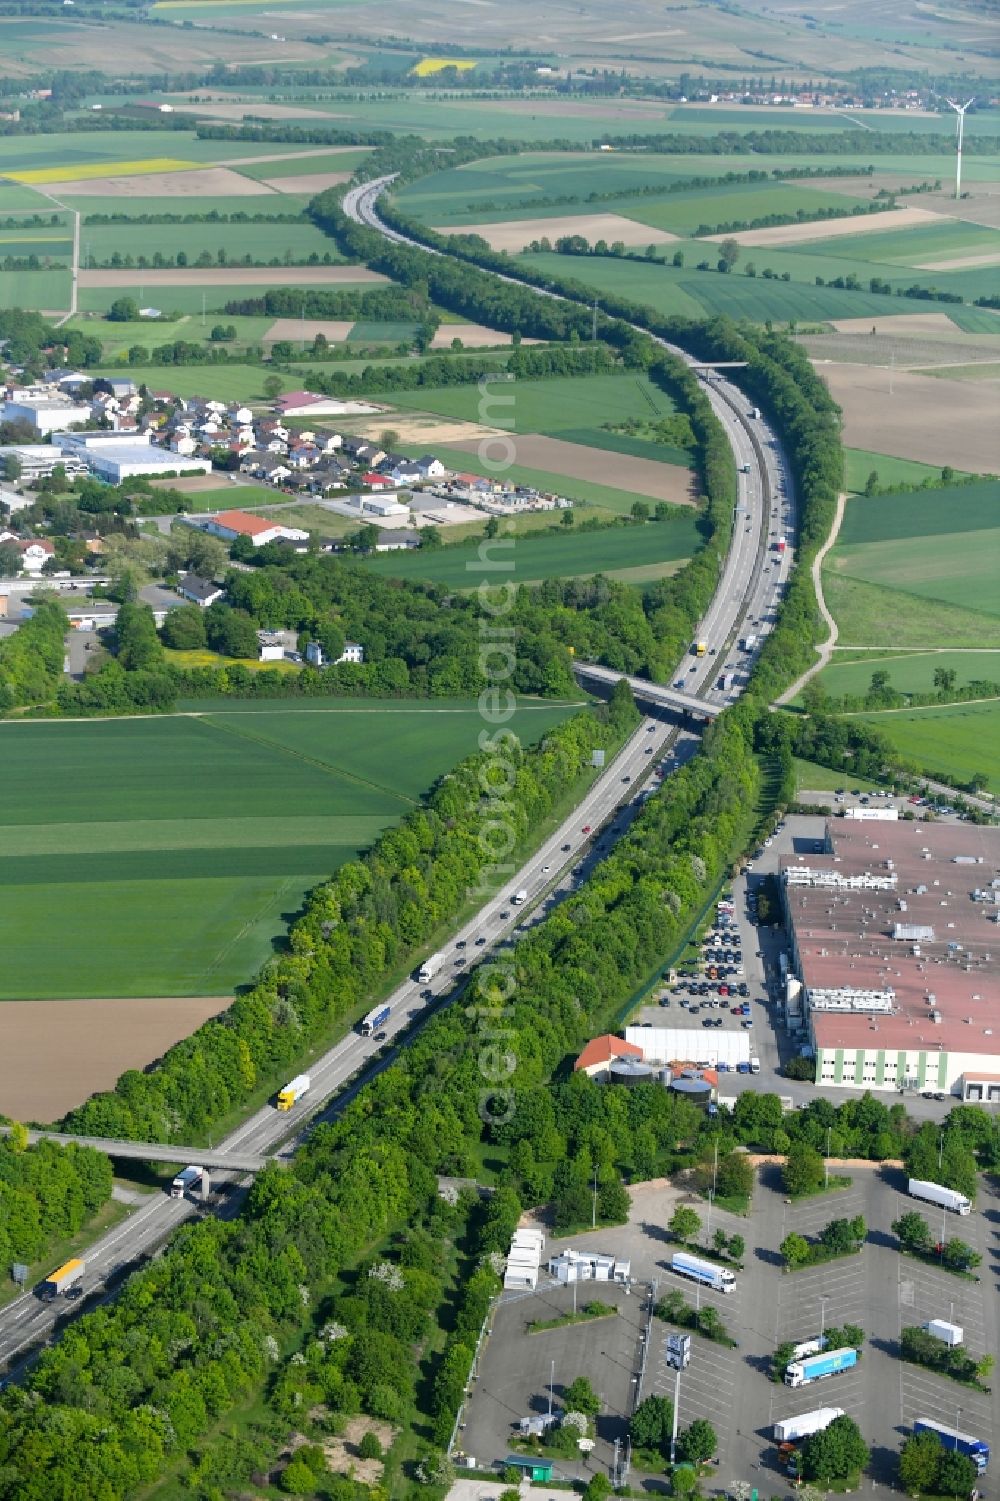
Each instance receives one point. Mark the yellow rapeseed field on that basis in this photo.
(428, 65)
(78, 170)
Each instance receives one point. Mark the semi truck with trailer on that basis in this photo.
(818, 1367)
(375, 1019)
(948, 1334)
(62, 1279)
(790, 1430)
(963, 1443)
(191, 1178)
(936, 1193)
(429, 968)
(705, 1272)
(293, 1092)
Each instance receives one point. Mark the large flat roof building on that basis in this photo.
(895, 937)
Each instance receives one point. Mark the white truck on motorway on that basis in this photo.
(190, 1178)
(749, 642)
(936, 1193)
(429, 968)
(790, 1430)
(520, 897)
(949, 1334)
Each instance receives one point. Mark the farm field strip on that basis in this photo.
(165, 884)
(907, 415)
(941, 511)
(961, 569)
(910, 672)
(566, 554)
(954, 743)
(642, 477)
(870, 615)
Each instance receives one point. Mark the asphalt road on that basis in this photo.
(746, 591)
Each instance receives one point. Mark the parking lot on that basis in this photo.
(878, 1289)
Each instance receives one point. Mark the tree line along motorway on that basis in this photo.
(749, 584)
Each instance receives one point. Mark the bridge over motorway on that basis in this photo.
(659, 694)
(152, 1151)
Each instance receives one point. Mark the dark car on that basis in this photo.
(480, 942)
(74, 1292)
(459, 963)
(566, 847)
(461, 944)
(377, 1037)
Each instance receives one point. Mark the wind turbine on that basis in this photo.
(960, 112)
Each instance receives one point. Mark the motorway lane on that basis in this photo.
(556, 868)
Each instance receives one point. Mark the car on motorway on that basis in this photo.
(586, 828)
(546, 869)
(72, 1293)
(427, 995)
(479, 942)
(461, 944)
(379, 1036)
(626, 778)
(566, 847)
(460, 961)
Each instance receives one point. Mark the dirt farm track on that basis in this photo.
(86, 1045)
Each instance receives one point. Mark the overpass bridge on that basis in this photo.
(657, 694)
(153, 1151)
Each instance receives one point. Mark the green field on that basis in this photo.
(925, 513)
(45, 290)
(870, 615)
(118, 338)
(546, 406)
(301, 166)
(891, 471)
(682, 213)
(959, 568)
(226, 497)
(216, 382)
(169, 854)
(98, 242)
(69, 149)
(952, 743)
(693, 293)
(910, 672)
(810, 777)
(565, 554)
(192, 294)
(952, 237)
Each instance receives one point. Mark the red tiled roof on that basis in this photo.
(604, 1049)
(243, 523)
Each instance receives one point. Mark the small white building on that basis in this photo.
(271, 647)
(589, 1266)
(35, 553)
(353, 652)
(388, 507)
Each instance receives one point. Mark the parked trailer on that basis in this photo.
(791, 1429)
(63, 1278)
(818, 1367)
(429, 968)
(936, 1193)
(293, 1092)
(375, 1019)
(963, 1443)
(190, 1178)
(706, 1272)
(949, 1334)
(809, 1347)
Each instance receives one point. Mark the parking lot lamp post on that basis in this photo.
(677, 1403)
(711, 1198)
(715, 1168)
(940, 1148)
(822, 1319)
(552, 1382)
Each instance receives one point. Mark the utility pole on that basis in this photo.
(822, 1318)
(711, 1200)
(960, 112)
(940, 1148)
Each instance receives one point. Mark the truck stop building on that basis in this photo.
(895, 956)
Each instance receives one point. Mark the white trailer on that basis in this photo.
(949, 1334)
(936, 1193)
(429, 968)
(191, 1178)
(792, 1429)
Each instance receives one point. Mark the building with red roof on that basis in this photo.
(599, 1054)
(232, 524)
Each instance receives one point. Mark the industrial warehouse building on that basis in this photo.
(895, 956)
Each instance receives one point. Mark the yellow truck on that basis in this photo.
(700, 648)
(63, 1278)
(293, 1092)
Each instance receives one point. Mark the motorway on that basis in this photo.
(750, 583)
